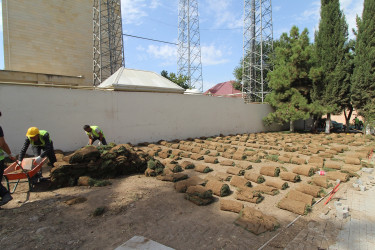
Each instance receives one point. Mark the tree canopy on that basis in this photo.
(289, 81)
(180, 80)
(363, 88)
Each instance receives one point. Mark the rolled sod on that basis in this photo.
(244, 165)
(310, 189)
(230, 205)
(218, 188)
(227, 155)
(353, 161)
(196, 157)
(227, 163)
(351, 168)
(266, 189)
(172, 177)
(334, 175)
(299, 196)
(255, 221)
(306, 170)
(182, 186)
(247, 194)
(297, 207)
(197, 200)
(333, 165)
(239, 156)
(174, 167)
(240, 182)
(150, 172)
(200, 191)
(202, 168)
(187, 165)
(223, 176)
(276, 183)
(210, 159)
(235, 171)
(185, 154)
(163, 155)
(196, 150)
(254, 177)
(270, 170)
(284, 159)
(321, 181)
(299, 161)
(288, 176)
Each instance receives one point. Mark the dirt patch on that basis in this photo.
(105, 217)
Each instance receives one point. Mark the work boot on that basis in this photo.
(6, 198)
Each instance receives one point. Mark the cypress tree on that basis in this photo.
(363, 88)
(330, 75)
(289, 81)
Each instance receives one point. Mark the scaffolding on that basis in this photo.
(257, 48)
(108, 51)
(189, 51)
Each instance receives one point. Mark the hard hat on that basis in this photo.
(32, 131)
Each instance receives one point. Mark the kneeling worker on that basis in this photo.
(39, 140)
(94, 133)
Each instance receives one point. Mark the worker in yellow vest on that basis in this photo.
(94, 133)
(4, 148)
(39, 140)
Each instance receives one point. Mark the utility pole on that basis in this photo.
(257, 48)
(108, 50)
(189, 50)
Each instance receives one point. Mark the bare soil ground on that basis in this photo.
(139, 205)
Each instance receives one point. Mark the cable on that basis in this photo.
(149, 39)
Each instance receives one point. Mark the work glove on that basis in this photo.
(99, 144)
(19, 163)
(38, 160)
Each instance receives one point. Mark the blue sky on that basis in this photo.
(221, 26)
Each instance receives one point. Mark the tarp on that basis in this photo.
(139, 80)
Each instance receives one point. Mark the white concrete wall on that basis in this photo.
(124, 116)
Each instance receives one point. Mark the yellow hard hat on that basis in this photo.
(32, 131)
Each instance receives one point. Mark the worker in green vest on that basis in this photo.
(94, 133)
(39, 140)
(4, 148)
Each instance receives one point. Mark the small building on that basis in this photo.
(224, 89)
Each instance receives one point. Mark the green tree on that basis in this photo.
(331, 84)
(289, 81)
(363, 88)
(180, 80)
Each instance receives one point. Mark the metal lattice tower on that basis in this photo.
(257, 47)
(189, 50)
(108, 51)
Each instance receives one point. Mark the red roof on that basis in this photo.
(224, 89)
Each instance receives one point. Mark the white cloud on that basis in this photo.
(222, 15)
(154, 4)
(166, 53)
(352, 8)
(134, 10)
(212, 55)
(313, 12)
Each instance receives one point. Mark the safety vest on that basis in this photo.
(93, 132)
(41, 134)
(2, 156)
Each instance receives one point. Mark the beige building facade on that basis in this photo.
(49, 37)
